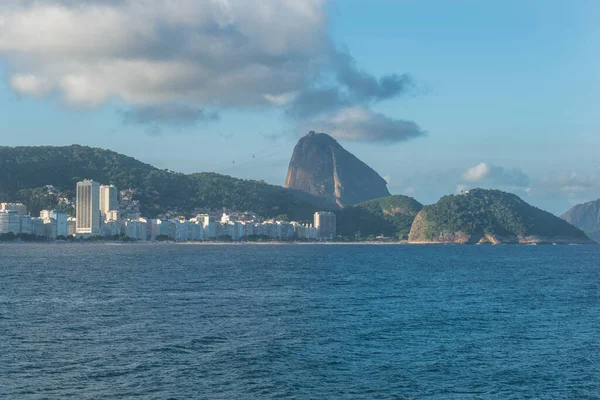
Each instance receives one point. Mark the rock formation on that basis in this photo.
(586, 217)
(322, 167)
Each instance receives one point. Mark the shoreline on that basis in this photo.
(399, 243)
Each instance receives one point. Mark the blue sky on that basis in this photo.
(502, 93)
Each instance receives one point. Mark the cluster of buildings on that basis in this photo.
(98, 213)
(15, 219)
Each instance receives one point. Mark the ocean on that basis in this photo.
(101, 321)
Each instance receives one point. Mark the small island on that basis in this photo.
(482, 216)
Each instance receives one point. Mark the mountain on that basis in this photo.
(490, 216)
(586, 217)
(322, 167)
(26, 170)
(390, 216)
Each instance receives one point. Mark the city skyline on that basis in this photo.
(98, 214)
(499, 94)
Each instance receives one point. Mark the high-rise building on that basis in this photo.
(325, 225)
(108, 199)
(21, 209)
(87, 207)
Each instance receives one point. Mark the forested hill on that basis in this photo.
(390, 216)
(490, 216)
(25, 169)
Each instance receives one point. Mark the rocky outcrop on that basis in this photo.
(322, 167)
(490, 217)
(586, 217)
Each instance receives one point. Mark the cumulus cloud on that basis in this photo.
(208, 54)
(363, 86)
(361, 124)
(493, 174)
(347, 85)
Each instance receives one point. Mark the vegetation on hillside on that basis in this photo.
(390, 216)
(26, 170)
(493, 212)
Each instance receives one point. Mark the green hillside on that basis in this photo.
(390, 216)
(27, 169)
(469, 217)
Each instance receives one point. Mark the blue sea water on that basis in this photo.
(299, 322)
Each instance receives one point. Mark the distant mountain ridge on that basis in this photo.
(321, 167)
(25, 169)
(586, 217)
(490, 216)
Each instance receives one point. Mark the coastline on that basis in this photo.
(399, 243)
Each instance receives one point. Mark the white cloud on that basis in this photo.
(210, 52)
(30, 85)
(205, 54)
(361, 124)
(477, 173)
(492, 174)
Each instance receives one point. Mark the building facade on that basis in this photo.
(108, 199)
(62, 227)
(10, 222)
(21, 209)
(325, 224)
(87, 208)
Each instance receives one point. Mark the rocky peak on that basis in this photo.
(322, 167)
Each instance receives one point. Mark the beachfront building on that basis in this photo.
(111, 228)
(87, 208)
(71, 226)
(61, 218)
(38, 227)
(10, 222)
(26, 227)
(136, 229)
(21, 209)
(50, 228)
(108, 199)
(325, 223)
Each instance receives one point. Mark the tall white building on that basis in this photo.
(87, 207)
(325, 225)
(21, 209)
(108, 199)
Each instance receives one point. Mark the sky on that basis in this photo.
(436, 96)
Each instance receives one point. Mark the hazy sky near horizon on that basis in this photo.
(437, 97)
